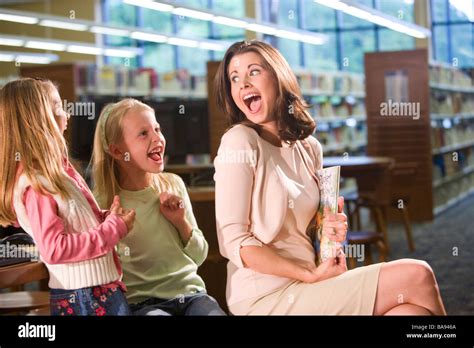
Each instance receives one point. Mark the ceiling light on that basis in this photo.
(18, 18)
(150, 4)
(377, 17)
(109, 31)
(182, 42)
(63, 25)
(33, 60)
(259, 28)
(43, 45)
(231, 22)
(113, 52)
(138, 35)
(312, 39)
(6, 57)
(84, 49)
(244, 23)
(287, 34)
(12, 42)
(181, 11)
(212, 46)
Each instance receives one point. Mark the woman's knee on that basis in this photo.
(419, 272)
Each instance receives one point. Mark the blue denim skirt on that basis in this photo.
(95, 301)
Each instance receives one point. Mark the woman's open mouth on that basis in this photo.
(253, 101)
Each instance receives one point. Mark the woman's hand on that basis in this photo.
(335, 225)
(172, 208)
(128, 216)
(330, 268)
(333, 266)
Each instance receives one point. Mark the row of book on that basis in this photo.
(453, 191)
(342, 139)
(447, 75)
(447, 133)
(121, 80)
(448, 164)
(330, 82)
(336, 106)
(448, 103)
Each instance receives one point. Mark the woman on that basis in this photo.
(266, 199)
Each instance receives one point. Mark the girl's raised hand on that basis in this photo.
(335, 225)
(172, 208)
(128, 216)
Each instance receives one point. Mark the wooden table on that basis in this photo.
(373, 181)
(193, 171)
(188, 168)
(22, 273)
(371, 173)
(202, 193)
(16, 275)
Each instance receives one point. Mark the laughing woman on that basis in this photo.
(266, 198)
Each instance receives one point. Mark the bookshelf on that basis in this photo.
(440, 141)
(452, 127)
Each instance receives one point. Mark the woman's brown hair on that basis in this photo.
(294, 121)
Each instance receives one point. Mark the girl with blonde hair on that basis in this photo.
(42, 193)
(161, 255)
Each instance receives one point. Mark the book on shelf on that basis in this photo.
(443, 74)
(329, 179)
(337, 82)
(119, 80)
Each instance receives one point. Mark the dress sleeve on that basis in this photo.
(235, 171)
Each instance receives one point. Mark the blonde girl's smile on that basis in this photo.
(156, 154)
(142, 145)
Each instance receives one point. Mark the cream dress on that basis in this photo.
(267, 194)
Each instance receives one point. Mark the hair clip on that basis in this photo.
(247, 43)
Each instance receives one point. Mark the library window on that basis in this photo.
(164, 57)
(453, 32)
(349, 36)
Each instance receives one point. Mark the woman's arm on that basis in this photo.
(264, 260)
(234, 179)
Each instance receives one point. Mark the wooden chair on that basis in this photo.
(356, 236)
(403, 173)
(14, 277)
(366, 239)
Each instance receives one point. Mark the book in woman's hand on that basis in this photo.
(329, 193)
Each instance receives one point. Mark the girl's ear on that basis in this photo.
(115, 152)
